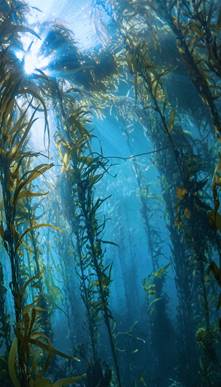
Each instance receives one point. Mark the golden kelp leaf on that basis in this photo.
(39, 171)
(54, 295)
(35, 227)
(172, 120)
(28, 194)
(217, 173)
(162, 271)
(66, 160)
(2, 233)
(47, 347)
(12, 364)
(41, 382)
(187, 213)
(29, 176)
(215, 219)
(154, 302)
(201, 334)
(27, 283)
(181, 192)
(94, 179)
(216, 272)
(178, 223)
(149, 287)
(36, 172)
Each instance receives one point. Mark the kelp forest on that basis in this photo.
(110, 193)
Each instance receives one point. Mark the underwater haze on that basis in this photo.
(110, 193)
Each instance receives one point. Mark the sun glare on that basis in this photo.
(33, 62)
(31, 55)
(30, 63)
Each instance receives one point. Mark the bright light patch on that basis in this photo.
(20, 55)
(33, 61)
(31, 56)
(30, 64)
(75, 15)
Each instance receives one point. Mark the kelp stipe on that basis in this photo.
(84, 169)
(14, 134)
(15, 188)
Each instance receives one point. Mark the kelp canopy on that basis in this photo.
(110, 177)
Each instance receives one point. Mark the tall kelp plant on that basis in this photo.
(15, 128)
(186, 181)
(35, 265)
(196, 26)
(161, 333)
(62, 244)
(83, 169)
(17, 175)
(14, 134)
(5, 328)
(153, 97)
(181, 181)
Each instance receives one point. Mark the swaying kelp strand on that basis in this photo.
(85, 170)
